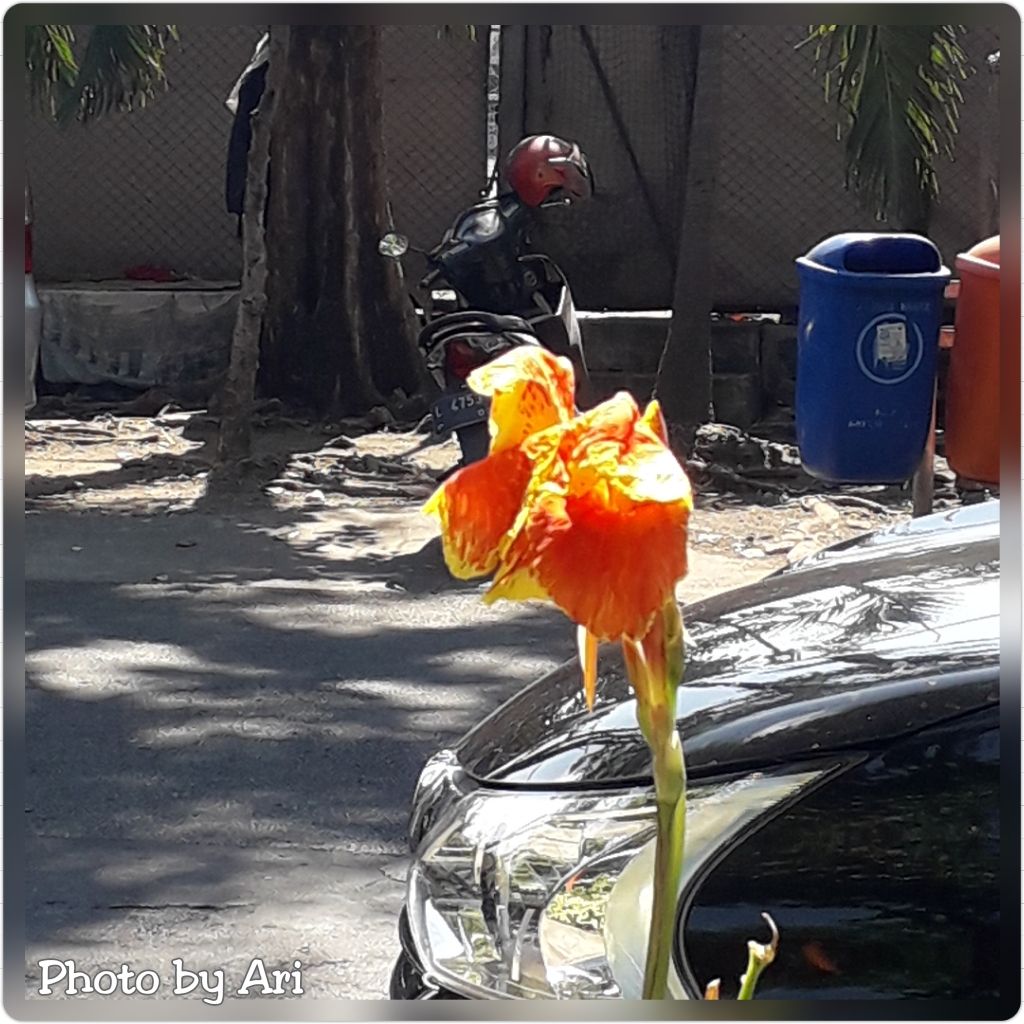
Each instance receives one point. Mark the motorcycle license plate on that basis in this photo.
(458, 410)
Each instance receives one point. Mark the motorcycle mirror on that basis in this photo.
(393, 245)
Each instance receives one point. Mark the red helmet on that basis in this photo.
(542, 165)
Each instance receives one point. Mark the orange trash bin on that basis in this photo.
(972, 383)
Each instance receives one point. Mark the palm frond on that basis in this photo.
(455, 31)
(121, 68)
(896, 91)
(50, 65)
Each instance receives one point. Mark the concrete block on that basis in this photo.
(778, 363)
(735, 347)
(605, 384)
(737, 399)
(629, 342)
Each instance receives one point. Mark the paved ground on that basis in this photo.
(226, 712)
(219, 763)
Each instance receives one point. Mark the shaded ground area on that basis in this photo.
(229, 698)
(222, 740)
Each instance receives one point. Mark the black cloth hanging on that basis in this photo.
(250, 91)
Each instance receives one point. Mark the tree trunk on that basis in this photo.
(683, 385)
(234, 439)
(915, 207)
(338, 336)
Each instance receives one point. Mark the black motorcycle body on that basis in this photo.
(499, 296)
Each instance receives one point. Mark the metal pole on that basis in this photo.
(924, 478)
(923, 482)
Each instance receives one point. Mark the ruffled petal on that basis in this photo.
(587, 511)
(476, 508)
(517, 583)
(618, 448)
(603, 530)
(530, 390)
(608, 571)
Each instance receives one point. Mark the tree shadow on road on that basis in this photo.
(255, 692)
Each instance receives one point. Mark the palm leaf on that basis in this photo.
(50, 65)
(896, 91)
(455, 31)
(121, 67)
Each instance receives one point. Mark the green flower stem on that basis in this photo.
(670, 794)
(655, 667)
(759, 958)
(749, 980)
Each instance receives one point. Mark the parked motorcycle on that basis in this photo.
(504, 295)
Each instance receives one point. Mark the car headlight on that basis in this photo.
(442, 782)
(527, 894)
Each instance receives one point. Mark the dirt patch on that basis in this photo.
(351, 495)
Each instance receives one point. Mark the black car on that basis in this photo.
(840, 720)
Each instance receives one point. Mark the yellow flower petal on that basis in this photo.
(618, 446)
(516, 585)
(530, 390)
(587, 644)
(654, 421)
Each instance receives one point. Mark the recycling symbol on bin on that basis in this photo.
(889, 349)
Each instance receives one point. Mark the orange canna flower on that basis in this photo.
(588, 511)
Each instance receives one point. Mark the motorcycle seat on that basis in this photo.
(469, 320)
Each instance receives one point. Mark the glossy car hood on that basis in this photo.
(843, 654)
(946, 529)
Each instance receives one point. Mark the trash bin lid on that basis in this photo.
(862, 252)
(988, 250)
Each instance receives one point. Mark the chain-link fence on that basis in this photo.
(435, 124)
(616, 90)
(779, 187)
(147, 188)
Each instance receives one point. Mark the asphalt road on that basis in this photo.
(222, 738)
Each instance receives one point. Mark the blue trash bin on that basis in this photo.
(868, 334)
